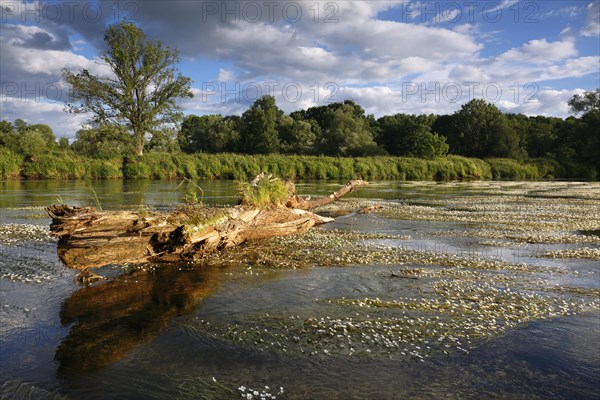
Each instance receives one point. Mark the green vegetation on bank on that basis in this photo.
(334, 141)
(64, 164)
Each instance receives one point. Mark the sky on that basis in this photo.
(415, 57)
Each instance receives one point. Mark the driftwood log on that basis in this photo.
(91, 238)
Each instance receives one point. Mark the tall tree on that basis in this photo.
(342, 129)
(46, 132)
(587, 102)
(164, 140)
(297, 136)
(584, 134)
(408, 135)
(208, 133)
(9, 137)
(32, 143)
(482, 130)
(20, 125)
(142, 90)
(259, 128)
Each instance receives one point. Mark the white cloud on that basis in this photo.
(592, 21)
(577, 68)
(317, 55)
(468, 73)
(503, 4)
(541, 52)
(225, 75)
(31, 81)
(447, 15)
(351, 10)
(397, 40)
(429, 97)
(547, 102)
(504, 72)
(378, 100)
(18, 62)
(569, 12)
(409, 65)
(476, 32)
(567, 34)
(31, 36)
(376, 52)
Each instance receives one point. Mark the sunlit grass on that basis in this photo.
(156, 165)
(267, 191)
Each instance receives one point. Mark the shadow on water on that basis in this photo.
(111, 319)
(590, 232)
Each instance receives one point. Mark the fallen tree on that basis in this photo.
(91, 238)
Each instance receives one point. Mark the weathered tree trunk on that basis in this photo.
(307, 204)
(91, 238)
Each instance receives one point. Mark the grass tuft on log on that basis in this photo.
(265, 190)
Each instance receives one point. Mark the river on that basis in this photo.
(451, 290)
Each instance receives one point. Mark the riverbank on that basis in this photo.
(66, 165)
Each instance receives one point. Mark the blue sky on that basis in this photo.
(389, 56)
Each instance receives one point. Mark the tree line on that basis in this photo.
(479, 129)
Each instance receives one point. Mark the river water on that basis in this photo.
(450, 290)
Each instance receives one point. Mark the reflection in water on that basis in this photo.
(112, 318)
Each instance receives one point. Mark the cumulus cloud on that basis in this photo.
(466, 73)
(34, 73)
(31, 82)
(592, 21)
(261, 37)
(547, 102)
(541, 52)
(577, 67)
(36, 38)
(225, 75)
(409, 98)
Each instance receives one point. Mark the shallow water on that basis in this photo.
(480, 311)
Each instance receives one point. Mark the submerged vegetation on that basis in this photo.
(456, 316)
(431, 301)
